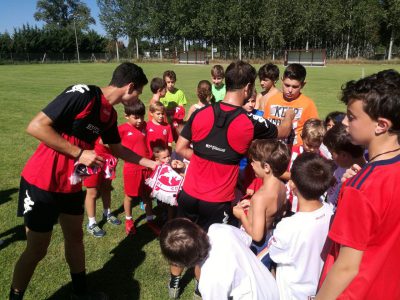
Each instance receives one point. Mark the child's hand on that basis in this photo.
(250, 192)
(245, 204)
(238, 211)
(353, 170)
(177, 164)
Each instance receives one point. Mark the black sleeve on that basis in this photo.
(111, 134)
(263, 129)
(68, 104)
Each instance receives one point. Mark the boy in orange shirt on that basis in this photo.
(293, 81)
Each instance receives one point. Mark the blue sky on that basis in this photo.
(15, 13)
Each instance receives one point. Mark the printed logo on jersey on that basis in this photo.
(164, 132)
(215, 148)
(260, 119)
(78, 88)
(129, 133)
(226, 218)
(278, 111)
(28, 203)
(93, 128)
(151, 130)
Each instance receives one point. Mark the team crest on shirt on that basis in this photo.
(164, 132)
(78, 88)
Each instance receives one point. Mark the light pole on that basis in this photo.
(76, 42)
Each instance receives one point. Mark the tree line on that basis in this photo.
(233, 28)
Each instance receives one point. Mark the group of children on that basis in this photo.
(288, 190)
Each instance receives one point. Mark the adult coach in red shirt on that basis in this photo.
(220, 135)
(67, 129)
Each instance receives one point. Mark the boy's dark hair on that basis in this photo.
(337, 139)
(159, 146)
(269, 71)
(183, 243)
(171, 74)
(272, 152)
(238, 74)
(217, 71)
(204, 90)
(135, 109)
(127, 73)
(156, 106)
(295, 72)
(312, 174)
(157, 84)
(313, 131)
(380, 94)
(335, 116)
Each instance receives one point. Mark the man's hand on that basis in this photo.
(90, 158)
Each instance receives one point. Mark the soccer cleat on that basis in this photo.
(174, 287)
(153, 227)
(112, 219)
(130, 228)
(95, 230)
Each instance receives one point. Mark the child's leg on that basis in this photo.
(174, 286)
(106, 189)
(129, 223)
(90, 204)
(171, 212)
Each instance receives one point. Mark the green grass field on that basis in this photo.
(124, 268)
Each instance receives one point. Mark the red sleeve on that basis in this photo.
(170, 137)
(355, 220)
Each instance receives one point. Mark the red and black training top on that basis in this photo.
(221, 134)
(80, 114)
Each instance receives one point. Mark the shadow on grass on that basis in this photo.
(16, 233)
(116, 278)
(5, 195)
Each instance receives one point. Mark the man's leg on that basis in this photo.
(35, 251)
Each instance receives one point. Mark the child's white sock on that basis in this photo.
(92, 220)
(128, 218)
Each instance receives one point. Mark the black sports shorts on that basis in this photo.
(204, 213)
(41, 208)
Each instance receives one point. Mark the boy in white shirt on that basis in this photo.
(298, 241)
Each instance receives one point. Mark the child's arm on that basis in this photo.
(342, 273)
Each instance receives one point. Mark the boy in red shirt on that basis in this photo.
(366, 226)
(157, 131)
(133, 136)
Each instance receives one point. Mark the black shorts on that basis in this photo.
(41, 208)
(204, 213)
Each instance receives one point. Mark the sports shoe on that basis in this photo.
(130, 228)
(95, 230)
(153, 227)
(112, 219)
(90, 296)
(174, 287)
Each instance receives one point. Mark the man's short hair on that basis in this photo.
(127, 73)
(313, 131)
(171, 74)
(380, 94)
(157, 106)
(238, 74)
(217, 71)
(157, 84)
(271, 151)
(135, 109)
(337, 139)
(312, 174)
(295, 72)
(269, 71)
(183, 243)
